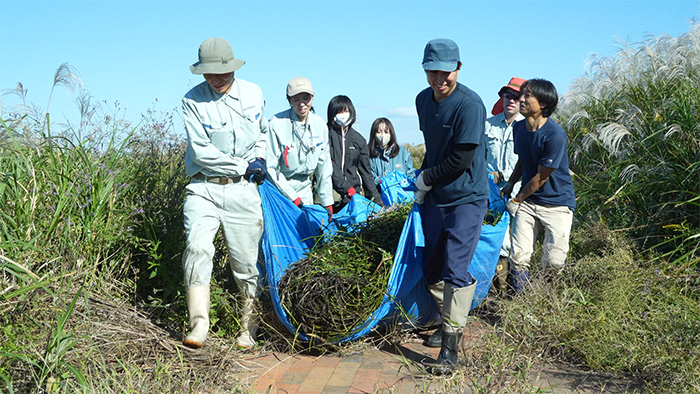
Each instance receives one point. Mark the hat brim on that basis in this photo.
(498, 107)
(216, 68)
(513, 88)
(440, 66)
(295, 92)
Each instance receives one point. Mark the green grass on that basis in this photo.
(91, 293)
(613, 311)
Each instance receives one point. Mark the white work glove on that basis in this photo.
(419, 196)
(420, 184)
(512, 207)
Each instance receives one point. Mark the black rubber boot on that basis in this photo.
(446, 362)
(435, 340)
(520, 281)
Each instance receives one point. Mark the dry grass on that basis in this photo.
(117, 347)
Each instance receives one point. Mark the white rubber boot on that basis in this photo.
(249, 324)
(198, 308)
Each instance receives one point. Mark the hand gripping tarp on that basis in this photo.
(289, 233)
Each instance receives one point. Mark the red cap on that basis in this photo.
(515, 84)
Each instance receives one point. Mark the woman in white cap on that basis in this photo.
(298, 149)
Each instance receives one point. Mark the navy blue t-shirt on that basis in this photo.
(458, 119)
(547, 147)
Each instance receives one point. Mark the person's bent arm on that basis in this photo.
(376, 165)
(408, 164)
(276, 152)
(458, 161)
(365, 171)
(324, 173)
(507, 190)
(534, 184)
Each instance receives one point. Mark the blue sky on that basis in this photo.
(138, 53)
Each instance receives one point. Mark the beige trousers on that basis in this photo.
(532, 218)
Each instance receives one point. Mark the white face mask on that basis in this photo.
(342, 119)
(382, 139)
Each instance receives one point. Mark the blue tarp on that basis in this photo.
(394, 188)
(290, 231)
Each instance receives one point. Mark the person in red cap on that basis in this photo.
(501, 158)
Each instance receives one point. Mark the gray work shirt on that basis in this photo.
(224, 131)
(500, 152)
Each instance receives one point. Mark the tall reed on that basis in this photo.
(635, 142)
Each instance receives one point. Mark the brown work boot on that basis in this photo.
(500, 279)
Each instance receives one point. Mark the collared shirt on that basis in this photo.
(224, 131)
(500, 154)
(296, 151)
(383, 165)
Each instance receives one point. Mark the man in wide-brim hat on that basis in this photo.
(226, 144)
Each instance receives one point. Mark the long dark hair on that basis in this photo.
(337, 105)
(373, 140)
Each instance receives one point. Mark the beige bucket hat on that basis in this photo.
(216, 57)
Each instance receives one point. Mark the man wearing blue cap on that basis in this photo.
(452, 191)
(226, 143)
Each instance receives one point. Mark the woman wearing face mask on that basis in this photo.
(349, 154)
(385, 154)
(298, 148)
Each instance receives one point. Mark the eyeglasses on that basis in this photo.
(509, 96)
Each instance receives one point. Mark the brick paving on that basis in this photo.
(370, 372)
(391, 369)
(395, 369)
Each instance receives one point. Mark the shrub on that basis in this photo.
(63, 202)
(417, 154)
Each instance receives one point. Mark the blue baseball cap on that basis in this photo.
(441, 54)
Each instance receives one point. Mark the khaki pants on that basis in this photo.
(528, 222)
(237, 208)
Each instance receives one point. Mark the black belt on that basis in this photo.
(221, 180)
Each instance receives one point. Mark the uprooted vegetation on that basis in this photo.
(91, 239)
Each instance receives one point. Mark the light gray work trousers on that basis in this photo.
(237, 208)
